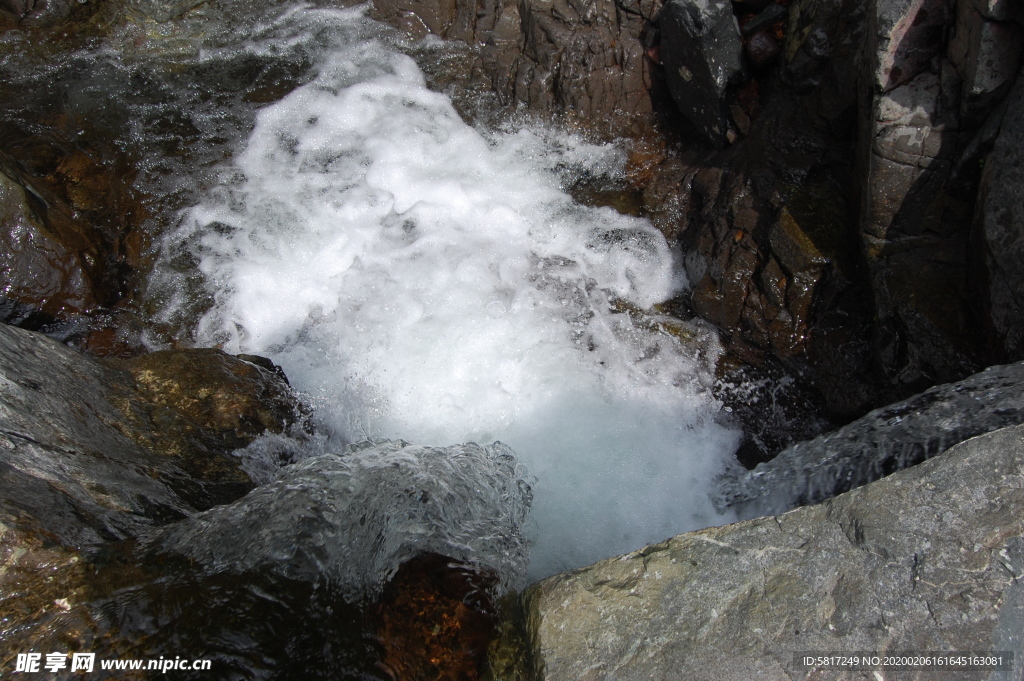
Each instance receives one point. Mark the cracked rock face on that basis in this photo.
(929, 558)
(579, 58)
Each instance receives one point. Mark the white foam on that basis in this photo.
(425, 282)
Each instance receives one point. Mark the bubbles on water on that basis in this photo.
(422, 280)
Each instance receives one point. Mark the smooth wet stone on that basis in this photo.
(703, 56)
(352, 518)
(97, 458)
(91, 454)
(199, 404)
(885, 440)
(925, 560)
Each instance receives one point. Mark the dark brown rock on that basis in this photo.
(582, 61)
(198, 404)
(39, 271)
(70, 226)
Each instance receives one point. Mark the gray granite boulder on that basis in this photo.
(928, 559)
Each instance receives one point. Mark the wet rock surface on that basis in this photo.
(93, 145)
(885, 440)
(94, 456)
(87, 459)
(581, 60)
(835, 232)
(926, 559)
(104, 467)
(702, 56)
(42, 275)
(912, 227)
(352, 519)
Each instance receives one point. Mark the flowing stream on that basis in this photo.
(424, 280)
(418, 278)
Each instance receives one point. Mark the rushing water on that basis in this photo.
(421, 279)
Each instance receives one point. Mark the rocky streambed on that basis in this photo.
(835, 181)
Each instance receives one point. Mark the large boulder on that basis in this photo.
(703, 56)
(926, 560)
(93, 453)
(836, 233)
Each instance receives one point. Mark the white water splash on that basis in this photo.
(422, 281)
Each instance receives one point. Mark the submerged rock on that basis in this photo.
(436, 620)
(928, 559)
(353, 519)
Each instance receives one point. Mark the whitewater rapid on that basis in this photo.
(421, 279)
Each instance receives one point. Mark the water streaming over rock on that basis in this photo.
(884, 441)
